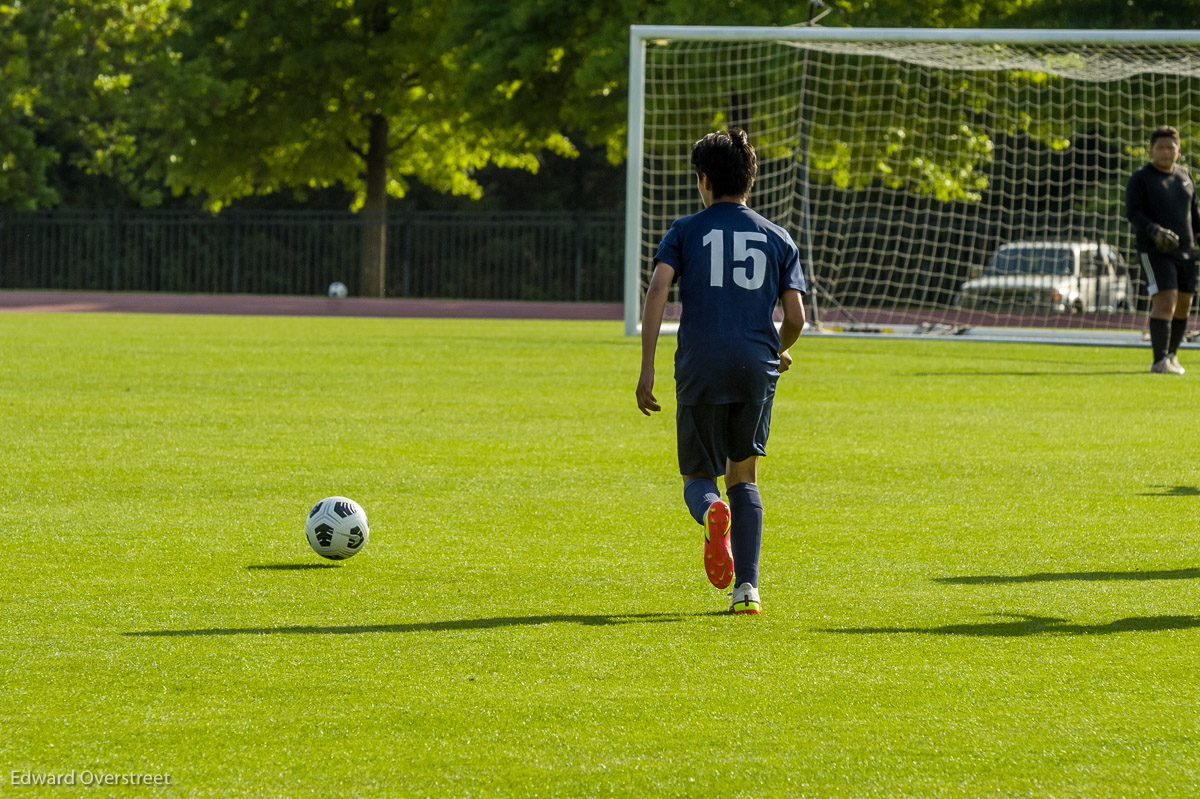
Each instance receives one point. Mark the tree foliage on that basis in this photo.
(231, 98)
(84, 86)
(568, 63)
(307, 82)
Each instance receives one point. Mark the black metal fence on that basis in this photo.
(561, 256)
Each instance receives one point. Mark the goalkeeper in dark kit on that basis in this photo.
(1160, 201)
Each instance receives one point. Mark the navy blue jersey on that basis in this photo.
(732, 266)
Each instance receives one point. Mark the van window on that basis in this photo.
(1031, 261)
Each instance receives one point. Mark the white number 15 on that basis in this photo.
(750, 279)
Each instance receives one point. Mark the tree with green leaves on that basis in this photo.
(224, 100)
(360, 93)
(568, 63)
(81, 84)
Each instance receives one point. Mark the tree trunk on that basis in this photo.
(374, 213)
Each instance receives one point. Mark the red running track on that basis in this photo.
(251, 304)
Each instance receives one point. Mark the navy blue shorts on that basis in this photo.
(1165, 271)
(708, 435)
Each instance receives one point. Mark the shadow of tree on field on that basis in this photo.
(1054, 577)
(1029, 373)
(600, 620)
(1022, 625)
(1172, 491)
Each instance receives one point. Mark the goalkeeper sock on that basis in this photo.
(1178, 328)
(699, 493)
(1160, 333)
(745, 531)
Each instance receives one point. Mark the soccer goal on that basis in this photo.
(966, 182)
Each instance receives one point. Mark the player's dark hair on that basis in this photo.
(1164, 132)
(728, 158)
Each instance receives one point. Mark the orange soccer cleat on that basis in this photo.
(718, 554)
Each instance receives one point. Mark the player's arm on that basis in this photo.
(652, 316)
(1195, 220)
(793, 325)
(1135, 205)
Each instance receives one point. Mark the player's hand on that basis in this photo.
(785, 361)
(645, 393)
(1165, 240)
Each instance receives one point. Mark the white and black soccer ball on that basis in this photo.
(337, 528)
(338, 290)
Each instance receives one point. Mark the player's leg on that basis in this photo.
(1186, 274)
(700, 462)
(745, 505)
(749, 427)
(1179, 323)
(1162, 285)
(1162, 311)
(700, 491)
(718, 550)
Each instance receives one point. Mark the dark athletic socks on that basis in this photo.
(1160, 336)
(1178, 328)
(745, 506)
(699, 493)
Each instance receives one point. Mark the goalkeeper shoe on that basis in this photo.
(1160, 367)
(718, 553)
(745, 600)
(1173, 365)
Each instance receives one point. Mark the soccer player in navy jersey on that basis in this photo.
(1160, 201)
(732, 266)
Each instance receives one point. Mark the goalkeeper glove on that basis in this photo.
(1165, 240)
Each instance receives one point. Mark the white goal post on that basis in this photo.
(956, 181)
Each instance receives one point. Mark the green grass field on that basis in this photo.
(979, 572)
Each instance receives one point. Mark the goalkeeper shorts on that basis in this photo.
(1166, 271)
(708, 435)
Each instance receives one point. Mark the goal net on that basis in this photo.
(936, 181)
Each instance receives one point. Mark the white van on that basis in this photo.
(1062, 276)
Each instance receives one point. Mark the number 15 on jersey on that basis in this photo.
(750, 278)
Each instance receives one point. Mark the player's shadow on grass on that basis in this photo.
(1022, 625)
(1172, 491)
(599, 620)
(1056, 577)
